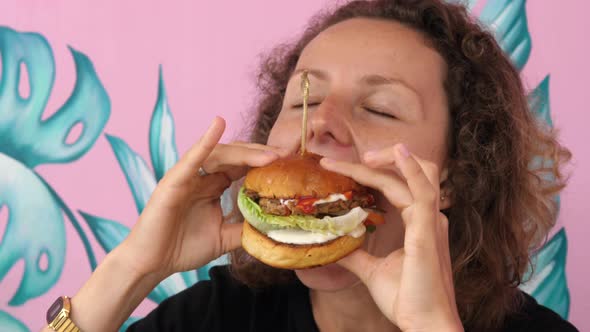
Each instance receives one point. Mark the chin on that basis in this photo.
(328, 278)
(333, 277)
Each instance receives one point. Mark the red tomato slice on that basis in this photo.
(348, 195)
(374, 219)
(306, 204)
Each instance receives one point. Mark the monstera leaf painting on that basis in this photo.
(34, 212)
(35, 230)
(547, 283)
(507, 19)
(9, 323)
(142, 182)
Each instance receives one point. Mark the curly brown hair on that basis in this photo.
(503, 198)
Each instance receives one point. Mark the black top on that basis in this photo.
(224, 304)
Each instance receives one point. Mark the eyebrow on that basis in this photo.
(322, 75)
(370, 80)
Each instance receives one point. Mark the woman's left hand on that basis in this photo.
(412, 286)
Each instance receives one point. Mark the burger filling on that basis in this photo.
(334, 205)
(307, 220)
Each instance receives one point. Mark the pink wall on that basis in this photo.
(209, 54)
(559, 47)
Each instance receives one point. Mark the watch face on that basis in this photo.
(54, 309)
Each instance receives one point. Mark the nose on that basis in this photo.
(329, 124)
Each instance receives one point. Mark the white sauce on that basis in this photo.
(286, 201)
(358, 231)
(330, 199)
(298, 236)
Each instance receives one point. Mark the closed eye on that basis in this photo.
(376, 112)
(308, 105)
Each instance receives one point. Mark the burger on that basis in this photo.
(299, 215)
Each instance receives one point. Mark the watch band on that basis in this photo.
(60, 320)
(64, 324)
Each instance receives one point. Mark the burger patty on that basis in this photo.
(274, 206)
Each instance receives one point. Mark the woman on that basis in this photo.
(410, 98)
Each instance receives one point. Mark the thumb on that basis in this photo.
(361, 263)
(231, 237)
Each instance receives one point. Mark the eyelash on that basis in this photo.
(370, 110)
(308, 105)
(376, 112)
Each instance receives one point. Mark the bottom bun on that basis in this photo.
(296, 256)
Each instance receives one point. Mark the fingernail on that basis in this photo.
(369, 155)
(403, 150)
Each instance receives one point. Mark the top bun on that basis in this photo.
(296, 176)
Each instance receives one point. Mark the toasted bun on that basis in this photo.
(296, 256)
(297, 176)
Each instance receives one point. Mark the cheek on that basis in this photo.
(284, 132)
(426, 140)
(433, 147)
(372, 136)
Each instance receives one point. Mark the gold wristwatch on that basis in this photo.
(58, 316)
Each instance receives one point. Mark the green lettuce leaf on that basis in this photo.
(340, 225)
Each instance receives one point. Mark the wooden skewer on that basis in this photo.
(305, 91)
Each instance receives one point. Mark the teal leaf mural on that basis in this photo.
(140, 178)
(110, 233)
(469, 4)
(539, 102)
(162, 141)
(548, 283)
(23, 133)
(35, 231)
(142, 182)
(507, 18)
(128, 323)
(9, 323)
(32, 216)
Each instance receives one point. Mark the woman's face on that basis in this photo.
(373, 84)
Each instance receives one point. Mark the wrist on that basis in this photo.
(131, 260)
(111, 294)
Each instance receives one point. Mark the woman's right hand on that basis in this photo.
(181, 227)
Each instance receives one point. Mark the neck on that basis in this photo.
(350, 309)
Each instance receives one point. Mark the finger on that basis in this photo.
(444, 232)
(211, 186)
(231, 237)
(380, 158)
(392, 187)
(361, 263)
(430, 170)
(234, 160)
(444, 258)
(386, 158)
(283, 152)
(420, 186)
(421, 237)
(187, 166)
(446, 253)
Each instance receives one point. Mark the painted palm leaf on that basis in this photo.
(35, 230)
